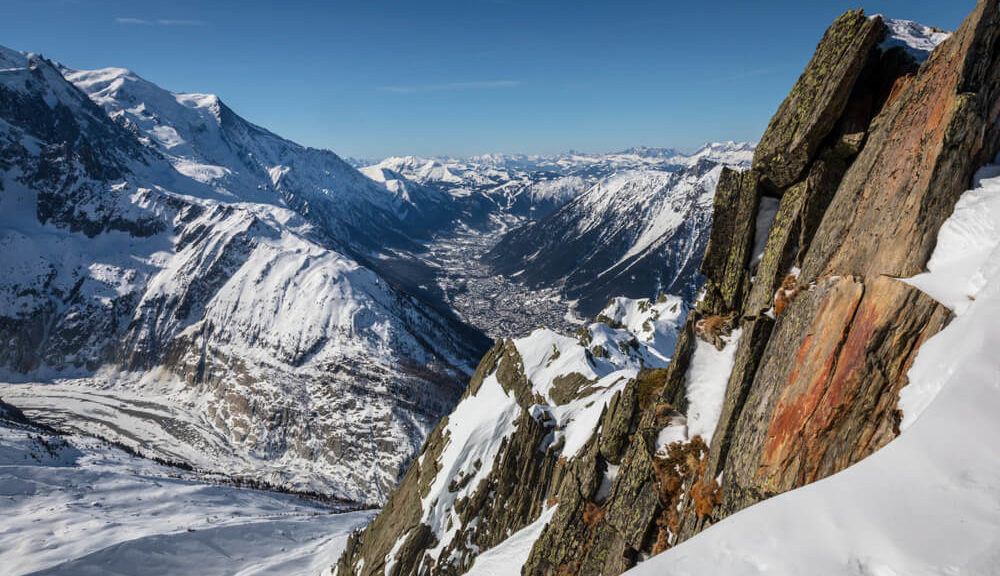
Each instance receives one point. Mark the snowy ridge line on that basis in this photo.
(629, 335)
(918, 40)
(204, 253)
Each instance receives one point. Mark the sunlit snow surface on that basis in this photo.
(78, 507)
(514, 551)
(202, 287)
(926, 503)
(707, 378)
(918, 40)
(636, 333)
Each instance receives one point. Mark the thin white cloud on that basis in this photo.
(160, 22)
(484, 84)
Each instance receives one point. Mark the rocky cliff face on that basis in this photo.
(789, 368)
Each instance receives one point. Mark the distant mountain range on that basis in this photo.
(188, 283)
(182, 281)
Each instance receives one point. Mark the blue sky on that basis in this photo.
(379, 77)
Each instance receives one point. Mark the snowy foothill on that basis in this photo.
(927, 503)
(631, 334)
(75, 506)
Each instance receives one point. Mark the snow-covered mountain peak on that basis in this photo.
(730, 153)
(918, 40)
(652, 152)
(206, 141)
(12, 58)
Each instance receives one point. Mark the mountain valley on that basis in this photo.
(222, 352)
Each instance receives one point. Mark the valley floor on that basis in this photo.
(501, 307)
(75, 506)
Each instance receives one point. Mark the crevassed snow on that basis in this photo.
(74, 507)
(918, 40)
(927, 503)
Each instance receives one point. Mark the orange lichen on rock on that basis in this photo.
(713, 327)
(846, 377)
(786, 293)
(682, 467)
(592, 514)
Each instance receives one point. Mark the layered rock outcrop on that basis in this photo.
(864, 161)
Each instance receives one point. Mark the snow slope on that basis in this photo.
(75, 506)
(162, 247)
(918, 40)
(632, 334)
(635, 233)
(926, 503)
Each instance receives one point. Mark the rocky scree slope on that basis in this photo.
(198, 314)
(813, 330)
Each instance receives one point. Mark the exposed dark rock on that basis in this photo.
(868, 157)
(817, 101)
(727, 257)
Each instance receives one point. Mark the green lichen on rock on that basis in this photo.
(727, 256)
(817, 100)
(617, 423)
(569, 387)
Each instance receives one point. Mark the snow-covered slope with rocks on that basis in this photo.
(918, 40)
(144, 253)
(636, 233)
(74, 505)
(206, 141)
(537, 399)
(926, 503)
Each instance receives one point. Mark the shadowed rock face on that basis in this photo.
(868, 156)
